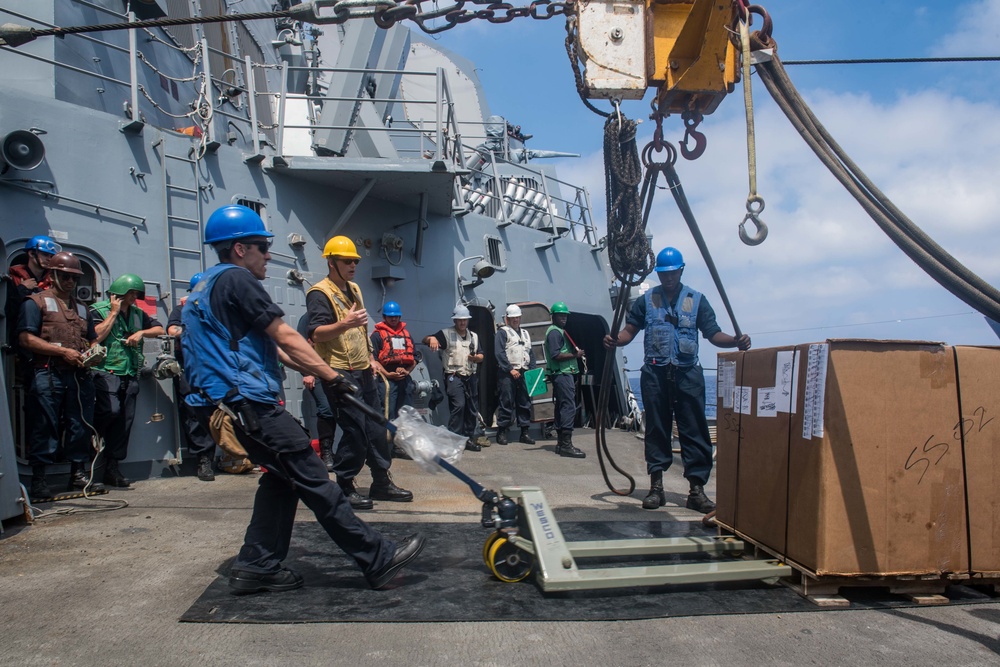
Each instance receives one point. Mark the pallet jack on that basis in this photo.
(526, 537)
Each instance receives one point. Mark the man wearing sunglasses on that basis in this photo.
(57, 329)
(338, 327)
(234, 338)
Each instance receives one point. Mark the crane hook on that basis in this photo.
(755, 204)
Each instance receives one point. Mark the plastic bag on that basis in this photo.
(423, 441)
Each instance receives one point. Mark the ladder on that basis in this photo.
(183, 214)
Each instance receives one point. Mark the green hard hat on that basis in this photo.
(559, 307)
(126, 283)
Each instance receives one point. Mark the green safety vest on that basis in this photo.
(553, 367)
(121, 359)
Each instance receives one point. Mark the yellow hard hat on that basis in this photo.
(341, 246)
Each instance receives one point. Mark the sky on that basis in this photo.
(926, 134)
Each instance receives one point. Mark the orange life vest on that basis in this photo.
(397, 346)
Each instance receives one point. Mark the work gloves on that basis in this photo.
(340, 386)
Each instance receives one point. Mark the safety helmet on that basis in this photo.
(195, 279)
(513, 311)
(43, 243)
(461, 313)
(234, 222)
(341, 246)
(66, 262)
(126, 283)
(669, 259)
(391, 309)
(559, 307)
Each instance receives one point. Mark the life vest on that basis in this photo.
(62, 325)
(19, 273)
(352, 349)
(397, 346)
(560, 366)
(456, 357)
(517, 348)
(667, 343)
(221, 367)
(121, 358)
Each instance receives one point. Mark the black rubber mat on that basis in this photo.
(450, 582)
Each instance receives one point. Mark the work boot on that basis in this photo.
(566, 448)
(655, 498)
(79, 478)
(502, 435)
(113, 476)
(358, 501)
(326, 453)
(383, 488)
(526, 437)
(483, 441)
(471, 446)
(398, 453)
(406, 550)
(242, 582)
(698, 501)
(39, 487)
(205, 472)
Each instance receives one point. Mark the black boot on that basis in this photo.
(383, 488)
(79, 478)
(526, 437)
(205, 471)
(113, 476)
(566, 448)
(39, 487)
(358, 501)
(326, 453)
(656, 498)
(502, 435)
(698, 501)
(471, 446)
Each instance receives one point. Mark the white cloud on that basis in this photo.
(977, 31)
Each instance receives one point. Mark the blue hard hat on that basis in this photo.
(391, 309)
(669, 259)
(44, 243)
(234, 222)
(195, 279)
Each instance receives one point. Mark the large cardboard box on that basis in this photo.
(846, 459)
(979, 391)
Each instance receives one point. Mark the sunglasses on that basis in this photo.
(349, 261)
(263, 246)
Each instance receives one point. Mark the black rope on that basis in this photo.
(914, 242)
(892, 61)
(157, 23)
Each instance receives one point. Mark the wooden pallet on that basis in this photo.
(824, 590)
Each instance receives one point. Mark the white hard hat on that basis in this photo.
(513, 311)
(461, 313)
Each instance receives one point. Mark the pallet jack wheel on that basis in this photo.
(508, 563)
(494, 536)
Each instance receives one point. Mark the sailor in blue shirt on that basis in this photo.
(672, 381)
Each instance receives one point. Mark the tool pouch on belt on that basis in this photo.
(220, 425)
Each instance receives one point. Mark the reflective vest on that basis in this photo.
(560, 366)
(62, 325)
(455, 357)
(221, 367)
(517, 348)
(666, 343)
(352, 349)
(121, 359)
(397, 346)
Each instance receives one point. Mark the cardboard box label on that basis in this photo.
(767, 402)
(786, 379)
(815, 394)
(744, 400)
(726, 382)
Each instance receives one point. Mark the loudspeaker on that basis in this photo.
(84, 293)
(22, 150)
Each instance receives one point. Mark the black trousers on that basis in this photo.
(564, 393)
(114, 411)
(463, 402)
(295, 473)
(199, 439)
(514, 404)
(670, 393)
(363, 441)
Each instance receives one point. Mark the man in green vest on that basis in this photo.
(121, 327)
(561, 367)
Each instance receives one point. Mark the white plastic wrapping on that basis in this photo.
(423, 441)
